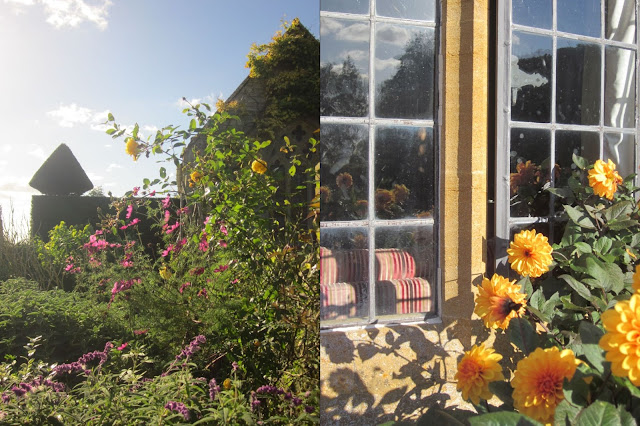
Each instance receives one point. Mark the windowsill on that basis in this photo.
(390, 324)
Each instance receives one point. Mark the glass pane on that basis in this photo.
(579, 17)
(620, 20)
(533, 13)
(531, 62)
(584, 144)
(344, 172)
(344, 67)
(530, 150)
(619, 87)
(351, 6)
(423, 10)
(404, 71)
(344, 274)
(578, 82)
(405, 270)
(404, 172)
(620, 149)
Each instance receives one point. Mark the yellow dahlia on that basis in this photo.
(259, 166)
(498, 300)
(132, 148)
(530, 253)
(165, 272)
(622, 338)
(196, 176)
(636, 279)
(477, 368)
(537, 382)
(604, 179)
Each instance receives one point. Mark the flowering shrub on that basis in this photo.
(573, 317)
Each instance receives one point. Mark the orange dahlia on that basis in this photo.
(498, 300)
(528, 173)
(530, 253)
(604, 179)
(622, 338)
(477, 368)
(537, 382)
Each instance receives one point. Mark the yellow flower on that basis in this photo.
(622, 338)
(530, 253)
(227, 383)
(498, 301)
(259, 166)
(477, 368)
(636, 279)
(132, 148)
(537, 382)
(604, 179)
(196, 177)
(165, 273)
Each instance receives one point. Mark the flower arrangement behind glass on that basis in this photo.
(573, 317)
(528, 186)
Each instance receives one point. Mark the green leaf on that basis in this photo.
(292, 170)
(193, 124)
(565, 413)
(163, 172)
(561, 192)
(110, 117)
(503, 391)
(522, 334)
(602, 245)
(626, 383)
(136, 128)
(111, 131)
(619, 210)
(622, 224)
(597, 414)
(537, 299)
(590, 335)
(435, 415)
(583, 247)
(579, 288)
(578, 217)
(502, 418)
(581, 162)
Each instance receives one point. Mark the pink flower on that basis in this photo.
(206, 221)
(128, 260)
(184, 210)
(173, 228)
(135, 190)
(183, 286)
(222, 243)
(166, 202)
(236, 281)
(223, 229)
(122, 346)
(139, 332)
(152, 193)
(129, 211)
(197, 271)
(203, 292)
(167, 215)
(180, 244)
(204, 245)
(221, 268)
(168, 250)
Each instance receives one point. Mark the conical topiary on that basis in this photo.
(61, 174)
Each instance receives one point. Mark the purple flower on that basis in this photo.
(309, 409)
(214, 389)
(74, 367)
(18, 391)
(234, 366)
(6, 398)
(296, 401)
(178, 407)
(193, 347)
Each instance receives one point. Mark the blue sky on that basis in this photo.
(67, 63)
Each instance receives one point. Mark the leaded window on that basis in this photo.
(378, 161)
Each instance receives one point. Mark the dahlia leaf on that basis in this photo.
(581, 162)
(503, 391)
(579, 288)
(599, 413)
(603, 245)
(503, 418)
(579, 217)
(522, 334)
(590, 335)
(566, 413)
(619, 210)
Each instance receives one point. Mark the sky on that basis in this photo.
(66, 64)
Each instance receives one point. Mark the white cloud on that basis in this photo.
(390, 63)
(94, 177)
(69, 13)
(37, 152)
(394, 35)
(113, 166)
(356, 54)
(6, 149)
(329, 25)
(354, 32)
(70, 115)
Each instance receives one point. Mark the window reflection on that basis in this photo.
(568, 143)
(531, 63)
(579, 17)
(620, 87)
(620, 20)
(620, 148)
(404, 172)
(533, 13)
(344, 172)
(351, 6)
(407, 9)
(530, 172)
(578, 82)
(344, 68)
(404, 71)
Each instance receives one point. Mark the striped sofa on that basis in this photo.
(401, 284)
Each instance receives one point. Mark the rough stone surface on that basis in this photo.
(61, 174)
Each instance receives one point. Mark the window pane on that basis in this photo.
(405, 270)
(404, 172)
(619, 87)
(584, 144)
(531, 63)
(344, 67)
(620, 149)
(344, 172)
(579, 17)
(404, 71)
(424, 10)
(344, 274)
(530, 163)
(620, 20)
(351, 6)
(578, 82)
(533, 13)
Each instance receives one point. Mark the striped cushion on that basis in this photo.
(393, 264)
(403, 296)
(342, 300)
